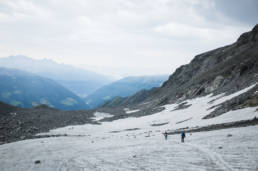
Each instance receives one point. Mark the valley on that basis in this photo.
(213, 99)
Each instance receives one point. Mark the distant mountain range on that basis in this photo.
(123, 88)
(88, 89)
(24, 89)
(80, 81)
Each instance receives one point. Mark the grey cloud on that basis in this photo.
(241, 11)
(162, 34)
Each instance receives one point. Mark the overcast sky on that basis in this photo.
(122, 37)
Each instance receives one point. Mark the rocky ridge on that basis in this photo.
(224, 70)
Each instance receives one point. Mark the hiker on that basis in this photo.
(165, 135)
(182, 136)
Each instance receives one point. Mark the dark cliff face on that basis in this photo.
(227, 69)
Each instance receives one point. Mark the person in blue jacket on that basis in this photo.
(165, 135)
(182, 136)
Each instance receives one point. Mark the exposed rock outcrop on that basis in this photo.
(18, 123)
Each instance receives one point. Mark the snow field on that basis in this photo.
(135, 144)
(213, 150)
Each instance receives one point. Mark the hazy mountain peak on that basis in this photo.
(124, 87)
(80, 81)
(25, 89)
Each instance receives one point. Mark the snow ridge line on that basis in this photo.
(213, 156)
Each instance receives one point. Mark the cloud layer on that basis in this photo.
(122, 37)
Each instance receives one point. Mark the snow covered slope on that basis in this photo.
(137, 143)
(170, 118)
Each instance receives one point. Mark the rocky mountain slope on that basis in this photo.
(123, 88)
(24, 89)
(224, 70)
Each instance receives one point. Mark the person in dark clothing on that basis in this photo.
(165, 135)
(182, 136)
